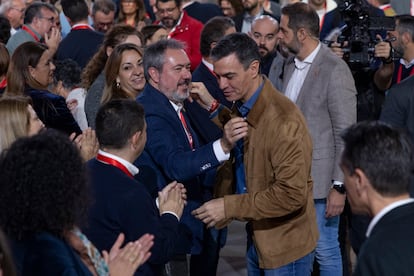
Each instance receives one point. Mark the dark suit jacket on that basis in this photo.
(238, 19)
(206, 130)
(203, 11)
(123, 205)
(79, 45)
(46, 254)
(169, 153)
(53, 111)
(389, 249)
(398, 109)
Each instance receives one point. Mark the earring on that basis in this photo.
(118, 85)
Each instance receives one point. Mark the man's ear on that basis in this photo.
(361, 181)
(213, 44)
(154, 74)
(254, 67)
(135, 139)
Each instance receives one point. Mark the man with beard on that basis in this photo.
(264, 32)
(322, 86)
(252, 10)
(402, 45)
(173, 149)
(39, 25)
(182, 27)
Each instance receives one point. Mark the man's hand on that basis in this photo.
(52, 40)
(172, 198)
(200, 94)
(211, 212)
(335, 203)
(382, 49)
(235, 129)
(337, 49)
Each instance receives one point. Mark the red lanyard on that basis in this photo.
(187, 130)
(30, 32)
(81, 27)
(399, 75)
(113, 162)
(3, 83)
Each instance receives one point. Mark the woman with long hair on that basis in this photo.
(132, 12)
(93, 78)
(18, 119)
(30, 73)
(124, 73)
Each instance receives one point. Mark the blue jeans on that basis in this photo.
(327, 252)
(300, 267)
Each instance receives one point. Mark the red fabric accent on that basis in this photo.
(113, 162)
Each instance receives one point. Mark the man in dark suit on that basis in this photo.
(398, 109)
(121, 203)
(82, 42)
(376, 162)
(212, 32)
(173, 148)
(203, 12)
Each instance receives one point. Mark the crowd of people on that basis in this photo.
(132, 132)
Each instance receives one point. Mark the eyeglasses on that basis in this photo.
(51, 19)
(168, 10)
(21, 10)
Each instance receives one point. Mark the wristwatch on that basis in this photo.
(339, 188)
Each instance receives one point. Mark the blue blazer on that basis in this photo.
(46, 254)
(53, 111)
(79, 45)
(169, 153)
(122, 204)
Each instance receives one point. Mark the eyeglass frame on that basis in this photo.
(51, 19)
(22, 10)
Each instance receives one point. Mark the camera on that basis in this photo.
(359, 32)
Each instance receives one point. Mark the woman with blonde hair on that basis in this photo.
(124, 73)
(18, 119)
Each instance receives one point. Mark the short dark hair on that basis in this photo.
(301, 15)
(116, 122)
(177, 2)
(105, 6)
(149, 30)
(67, 71)
(405, 24)
(75, 10)
(240, 44)
(382, 152)
(43, 186)
(154, 55)
(35, 10)
(213, 31)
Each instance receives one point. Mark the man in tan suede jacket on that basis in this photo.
(267, 183)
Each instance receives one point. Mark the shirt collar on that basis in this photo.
(208, 64)
(384, 211)
(245, 108)
(406, 64)
(309, 59)
(130, 167)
